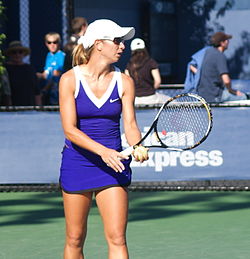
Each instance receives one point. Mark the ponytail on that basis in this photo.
(81, 55)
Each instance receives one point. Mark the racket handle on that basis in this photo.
(128, 151)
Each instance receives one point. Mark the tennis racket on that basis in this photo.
(182, 123)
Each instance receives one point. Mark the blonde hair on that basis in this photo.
(54, 34)
(80, 55)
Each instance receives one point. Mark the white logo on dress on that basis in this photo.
(114, 100)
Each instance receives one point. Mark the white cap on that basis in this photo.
(105, 29)
(137, 44)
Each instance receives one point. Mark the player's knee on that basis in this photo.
(117, 239)
(75, 240)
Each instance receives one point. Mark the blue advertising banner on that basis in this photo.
(224, 155)
(31, 144)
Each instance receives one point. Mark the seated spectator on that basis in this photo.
(5, 91)
(78, 28)
(53, 69)
(22, 76)
(210, 74)
(146, 75)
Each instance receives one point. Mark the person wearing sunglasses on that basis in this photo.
(23, 82)
(53, 68)
(92, 97)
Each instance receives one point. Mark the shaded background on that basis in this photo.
(173, 29)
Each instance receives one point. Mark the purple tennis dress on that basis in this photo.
(81, 170)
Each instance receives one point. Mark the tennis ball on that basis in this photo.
(140, 153)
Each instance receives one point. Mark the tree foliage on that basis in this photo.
(2, 38)
(199, 13)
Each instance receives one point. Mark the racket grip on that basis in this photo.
(128, 151)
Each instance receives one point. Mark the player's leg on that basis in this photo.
(76, 209)
(113, 207)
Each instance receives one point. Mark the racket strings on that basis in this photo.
(183, 122)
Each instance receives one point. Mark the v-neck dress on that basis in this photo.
(99, 118)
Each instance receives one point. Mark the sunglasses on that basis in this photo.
(52, 42)
(118, 41)
(17, 52)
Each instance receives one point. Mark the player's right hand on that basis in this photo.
(140, 153)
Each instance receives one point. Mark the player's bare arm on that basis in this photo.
(69, 124)
(131, 130)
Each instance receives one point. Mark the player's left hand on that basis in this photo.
(112, 158)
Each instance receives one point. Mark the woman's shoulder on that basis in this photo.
(68, 75)
(127, 81)
(125, 76)
(68, 81)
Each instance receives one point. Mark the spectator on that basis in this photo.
(5, 91)
(22, 76)
(213, 81)
(78, 28)
(146, 75)
(193, 71)
(53, 68)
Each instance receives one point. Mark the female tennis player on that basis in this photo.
(92, 97)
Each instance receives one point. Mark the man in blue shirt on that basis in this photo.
(215, 83)
(53, 67)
